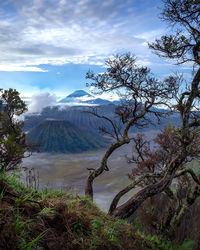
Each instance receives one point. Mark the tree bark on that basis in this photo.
(178, 215)
(128, 208)
(103, 166)
(127, 189)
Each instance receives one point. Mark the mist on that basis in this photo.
(40, 101)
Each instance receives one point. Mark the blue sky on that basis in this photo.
(49, 45)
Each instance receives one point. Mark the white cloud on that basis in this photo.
(63, 106)
(150, 34)
(20, 68)
(40, 101)
(144, 62)
(58, 32)
(91, 88)
(85, 98)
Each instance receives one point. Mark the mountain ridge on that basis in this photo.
(83, 97)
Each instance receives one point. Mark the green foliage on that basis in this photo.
(79, 228)
(19, 224)
(12, 138)
(107, 230)
(97, 225)
(29, 245)
(186, 245)
(22, 228)
(13, 181)
(171, 128)
(166, 244)
(50, 193)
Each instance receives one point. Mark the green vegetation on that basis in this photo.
(166, 245)
(59, 220)
(12, 138)
(52, 219)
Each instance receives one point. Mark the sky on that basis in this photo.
(47, 46)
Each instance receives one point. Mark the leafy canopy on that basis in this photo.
(12, 138)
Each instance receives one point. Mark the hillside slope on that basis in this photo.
(59, 221)
(63, 136)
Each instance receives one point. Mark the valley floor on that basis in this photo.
(69, 171)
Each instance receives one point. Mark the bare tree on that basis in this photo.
(157, 170)
(151, 168)
(183, 46)
(142, 92)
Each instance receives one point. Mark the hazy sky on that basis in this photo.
(49, 45)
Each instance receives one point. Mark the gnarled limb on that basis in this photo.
(192, 195)
(188, 171)
(127, 189)
(129, 207)
(140, 86)
(103, 166)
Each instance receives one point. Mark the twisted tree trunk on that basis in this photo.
(132, 185)
(103, 166)
(128, 208)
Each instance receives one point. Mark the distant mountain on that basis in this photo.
(62, 137)
(97, 101)
(79, 93)
(79, 116)
(82, 97)
(75, 94)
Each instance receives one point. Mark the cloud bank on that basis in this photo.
(57, 32)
